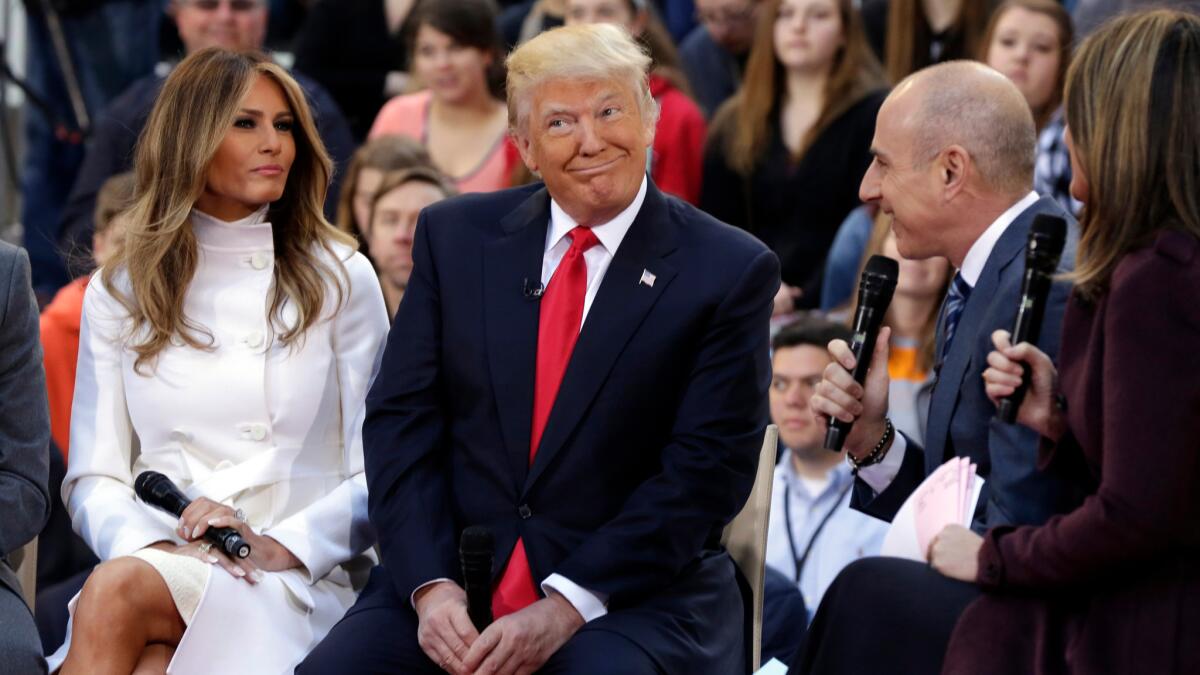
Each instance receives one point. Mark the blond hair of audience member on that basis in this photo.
(392, 223)
(159, 254)
(744, 123)
(112, 201)
(1025, 22)
(599, 52)
(1138, 161)
(364, 174)
(913, 24)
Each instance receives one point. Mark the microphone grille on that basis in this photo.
(143, 485)
(477, 539)
(882, 266)
(1047, 237)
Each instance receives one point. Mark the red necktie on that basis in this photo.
(559, 318)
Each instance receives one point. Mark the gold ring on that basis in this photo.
(205, 547)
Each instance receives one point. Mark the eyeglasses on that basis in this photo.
(234, 5)
(726, 17)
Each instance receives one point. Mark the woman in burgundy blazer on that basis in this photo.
(1114, 586)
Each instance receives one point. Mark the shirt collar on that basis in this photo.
(837, 475)
(981, 250)
(251, 232)
(610, 234)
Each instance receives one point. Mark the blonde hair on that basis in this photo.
(588, 52)
(744, 124)
(115, 195)
(385, 153)
(198, 103)
(1138, 143)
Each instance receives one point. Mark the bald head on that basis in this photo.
(968, 104)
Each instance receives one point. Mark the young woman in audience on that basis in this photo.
(675, 159)
(786, 154)
(1113, 586)
(911, 34)
(461, 116)
(228, 344)
(394, 209)
(1030, 42)
(364, 176)
(913, 317)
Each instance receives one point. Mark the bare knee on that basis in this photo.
(127, 590)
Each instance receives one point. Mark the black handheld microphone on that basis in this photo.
(157, 490)
(1047, 236)
(476, 548)
(532, 290)
(875, 291)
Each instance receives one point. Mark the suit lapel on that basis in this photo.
(511, 320)
(963, 352)
(620, 306)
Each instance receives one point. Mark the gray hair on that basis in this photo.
(966, 103)
(587, 52)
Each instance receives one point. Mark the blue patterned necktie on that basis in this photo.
(956, 299)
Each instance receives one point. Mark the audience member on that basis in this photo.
(24, 436)
(525, 20)
(110, 48)
(229, 345)
(1030, 42)
(1113, 586)
(364, 176)
(714, 54)
(785, 154)
(954, 155)
(607, 526)
(367, 69)
(60, 319)
(231, 24)
(813, 531)
(675, 158)
(460, 117)
(393, 220)
(908, 35)
(1090, 14)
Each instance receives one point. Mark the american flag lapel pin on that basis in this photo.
(647, 279)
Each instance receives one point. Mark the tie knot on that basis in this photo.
(582, 238)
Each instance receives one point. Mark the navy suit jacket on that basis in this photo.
(652, 443)
(961, 418)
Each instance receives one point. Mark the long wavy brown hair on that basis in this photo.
(744, 125)
(194, 111)
(1066, 40)
(908, 37)
(1132, 95)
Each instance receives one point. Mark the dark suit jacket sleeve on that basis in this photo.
(1145, 505)
(403, 438)
(24, 413)
(709, 463)
(886, 504)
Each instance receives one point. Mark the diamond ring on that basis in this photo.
(240, 515)
(205, 547)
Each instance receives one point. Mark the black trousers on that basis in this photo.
(884, 615)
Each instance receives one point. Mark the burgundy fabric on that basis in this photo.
(1114, 586)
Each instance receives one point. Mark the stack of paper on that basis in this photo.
(947, 497)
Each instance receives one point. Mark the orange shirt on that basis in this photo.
(60, 350)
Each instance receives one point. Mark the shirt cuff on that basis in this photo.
(412, 599)
(880, 476)
(589, 604)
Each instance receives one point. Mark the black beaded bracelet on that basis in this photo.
(877, 453)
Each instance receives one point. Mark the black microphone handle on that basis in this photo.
(1027, 328)
(228, 540)
(866, 330)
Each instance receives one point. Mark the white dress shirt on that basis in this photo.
(589, 604)
(881, 475)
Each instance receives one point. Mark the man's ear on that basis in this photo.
(525, 148)
(954, 167)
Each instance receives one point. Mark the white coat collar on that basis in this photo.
(252, 233)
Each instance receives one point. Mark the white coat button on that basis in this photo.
(254, 339)
(258, 432)
(260, 261)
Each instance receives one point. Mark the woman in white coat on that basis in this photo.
(229, 346)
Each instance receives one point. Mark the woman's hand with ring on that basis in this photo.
(265, 553)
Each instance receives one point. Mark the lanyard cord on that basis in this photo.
(787, 520)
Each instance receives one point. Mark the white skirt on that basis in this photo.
(234, 627)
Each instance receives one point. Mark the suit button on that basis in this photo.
(525, 512)
(260, 261)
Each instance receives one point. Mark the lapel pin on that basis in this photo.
(647, 279)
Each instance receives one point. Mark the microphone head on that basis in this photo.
(878, 281)
(476, 540)
(1047, 237)
(147, 483)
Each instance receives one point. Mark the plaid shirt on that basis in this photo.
(1052, 172)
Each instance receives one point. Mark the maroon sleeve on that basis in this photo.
(1145, 506)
